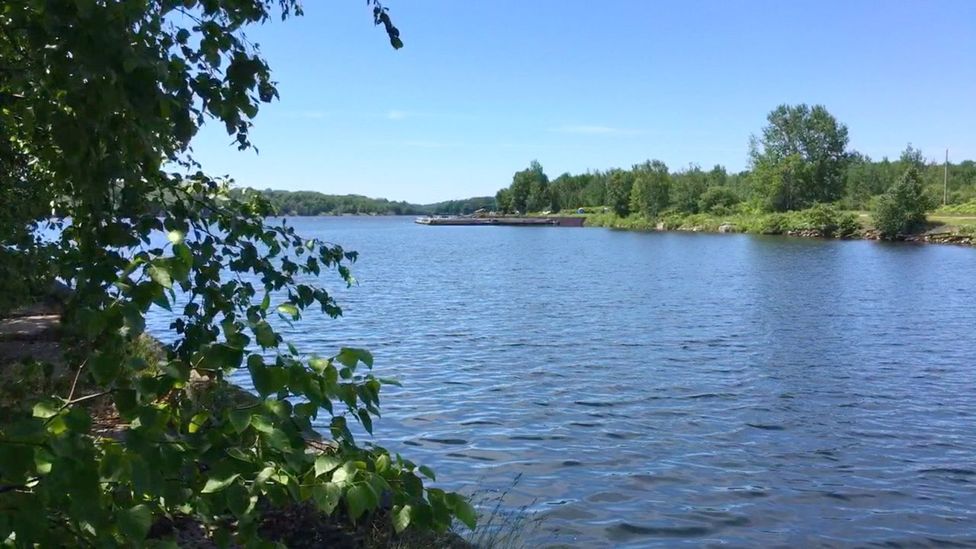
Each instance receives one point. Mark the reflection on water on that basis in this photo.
(671, 388)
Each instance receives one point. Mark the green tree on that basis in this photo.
(717, 176)
(781, 185)
(503, 200)
(620, 183)
(594, 192)
(912, 158)
(651, 189)
(687, 188)
(100, 103)
(717, 199)
(901, 209)
(540, 196)
(807, 146)
(858, 182)
(522, 186)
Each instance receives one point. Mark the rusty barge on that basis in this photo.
(502, 221)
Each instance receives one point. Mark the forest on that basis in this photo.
(801, 159)
(315, 203)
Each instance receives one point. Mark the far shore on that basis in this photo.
(940, 229)
(957, 230)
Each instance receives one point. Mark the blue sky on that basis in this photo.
(481, 88)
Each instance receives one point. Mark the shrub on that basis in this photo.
(774, 223)
(848, 224)
(120, 167)
(966, 208)
(829, 221)
(901, 209)
(717, 199)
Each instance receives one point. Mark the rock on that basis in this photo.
(806, 233)
(30, 328)
(726, 228)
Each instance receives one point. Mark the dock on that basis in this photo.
(503, 221)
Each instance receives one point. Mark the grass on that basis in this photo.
(952, 219)
(846, 223)
(964, 209)
(827, 221)
(500, 527)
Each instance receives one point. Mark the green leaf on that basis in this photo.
(462, 510)
(318, 364)
(216, 484)
(159, 273)
(46, 408)
(288, 309)
(160, 300)
(401, 518)
(105, 367)
(278, 440)
(261, 377)
(382, 463)
(182, 251)
(282, 409)
(197, 421)
(237, 499)
(359, 499)
(326, 496)
(240, 420)
(331, 375)
(266, 302)
(78, 420)
(261, 478)
(349, 356)
(42, 461)
(345, 474)
(261, 423)
(134, 523)
(366, 420)
(325, 464)
(239, 454)
(265, 334)
(427, 472)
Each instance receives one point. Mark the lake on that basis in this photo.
(672, 389)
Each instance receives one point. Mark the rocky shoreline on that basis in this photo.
(942, 234)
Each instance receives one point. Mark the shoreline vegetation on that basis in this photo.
(312, 203)
(139, 80)
(107, 439)
(818, 222)
(33, 333)
(802, 180)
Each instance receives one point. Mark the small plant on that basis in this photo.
(500, 527)
(101, 129)
(901, 209)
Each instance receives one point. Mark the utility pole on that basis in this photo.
(945, 181)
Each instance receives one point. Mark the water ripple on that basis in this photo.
(666, 389)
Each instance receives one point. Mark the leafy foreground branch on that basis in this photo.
(183, 449)
(99, 102)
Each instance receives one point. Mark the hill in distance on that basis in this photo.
(310, 203)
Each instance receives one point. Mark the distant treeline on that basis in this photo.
(314, 203)
(800, 159)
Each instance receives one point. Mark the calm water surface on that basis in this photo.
(674, 389)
